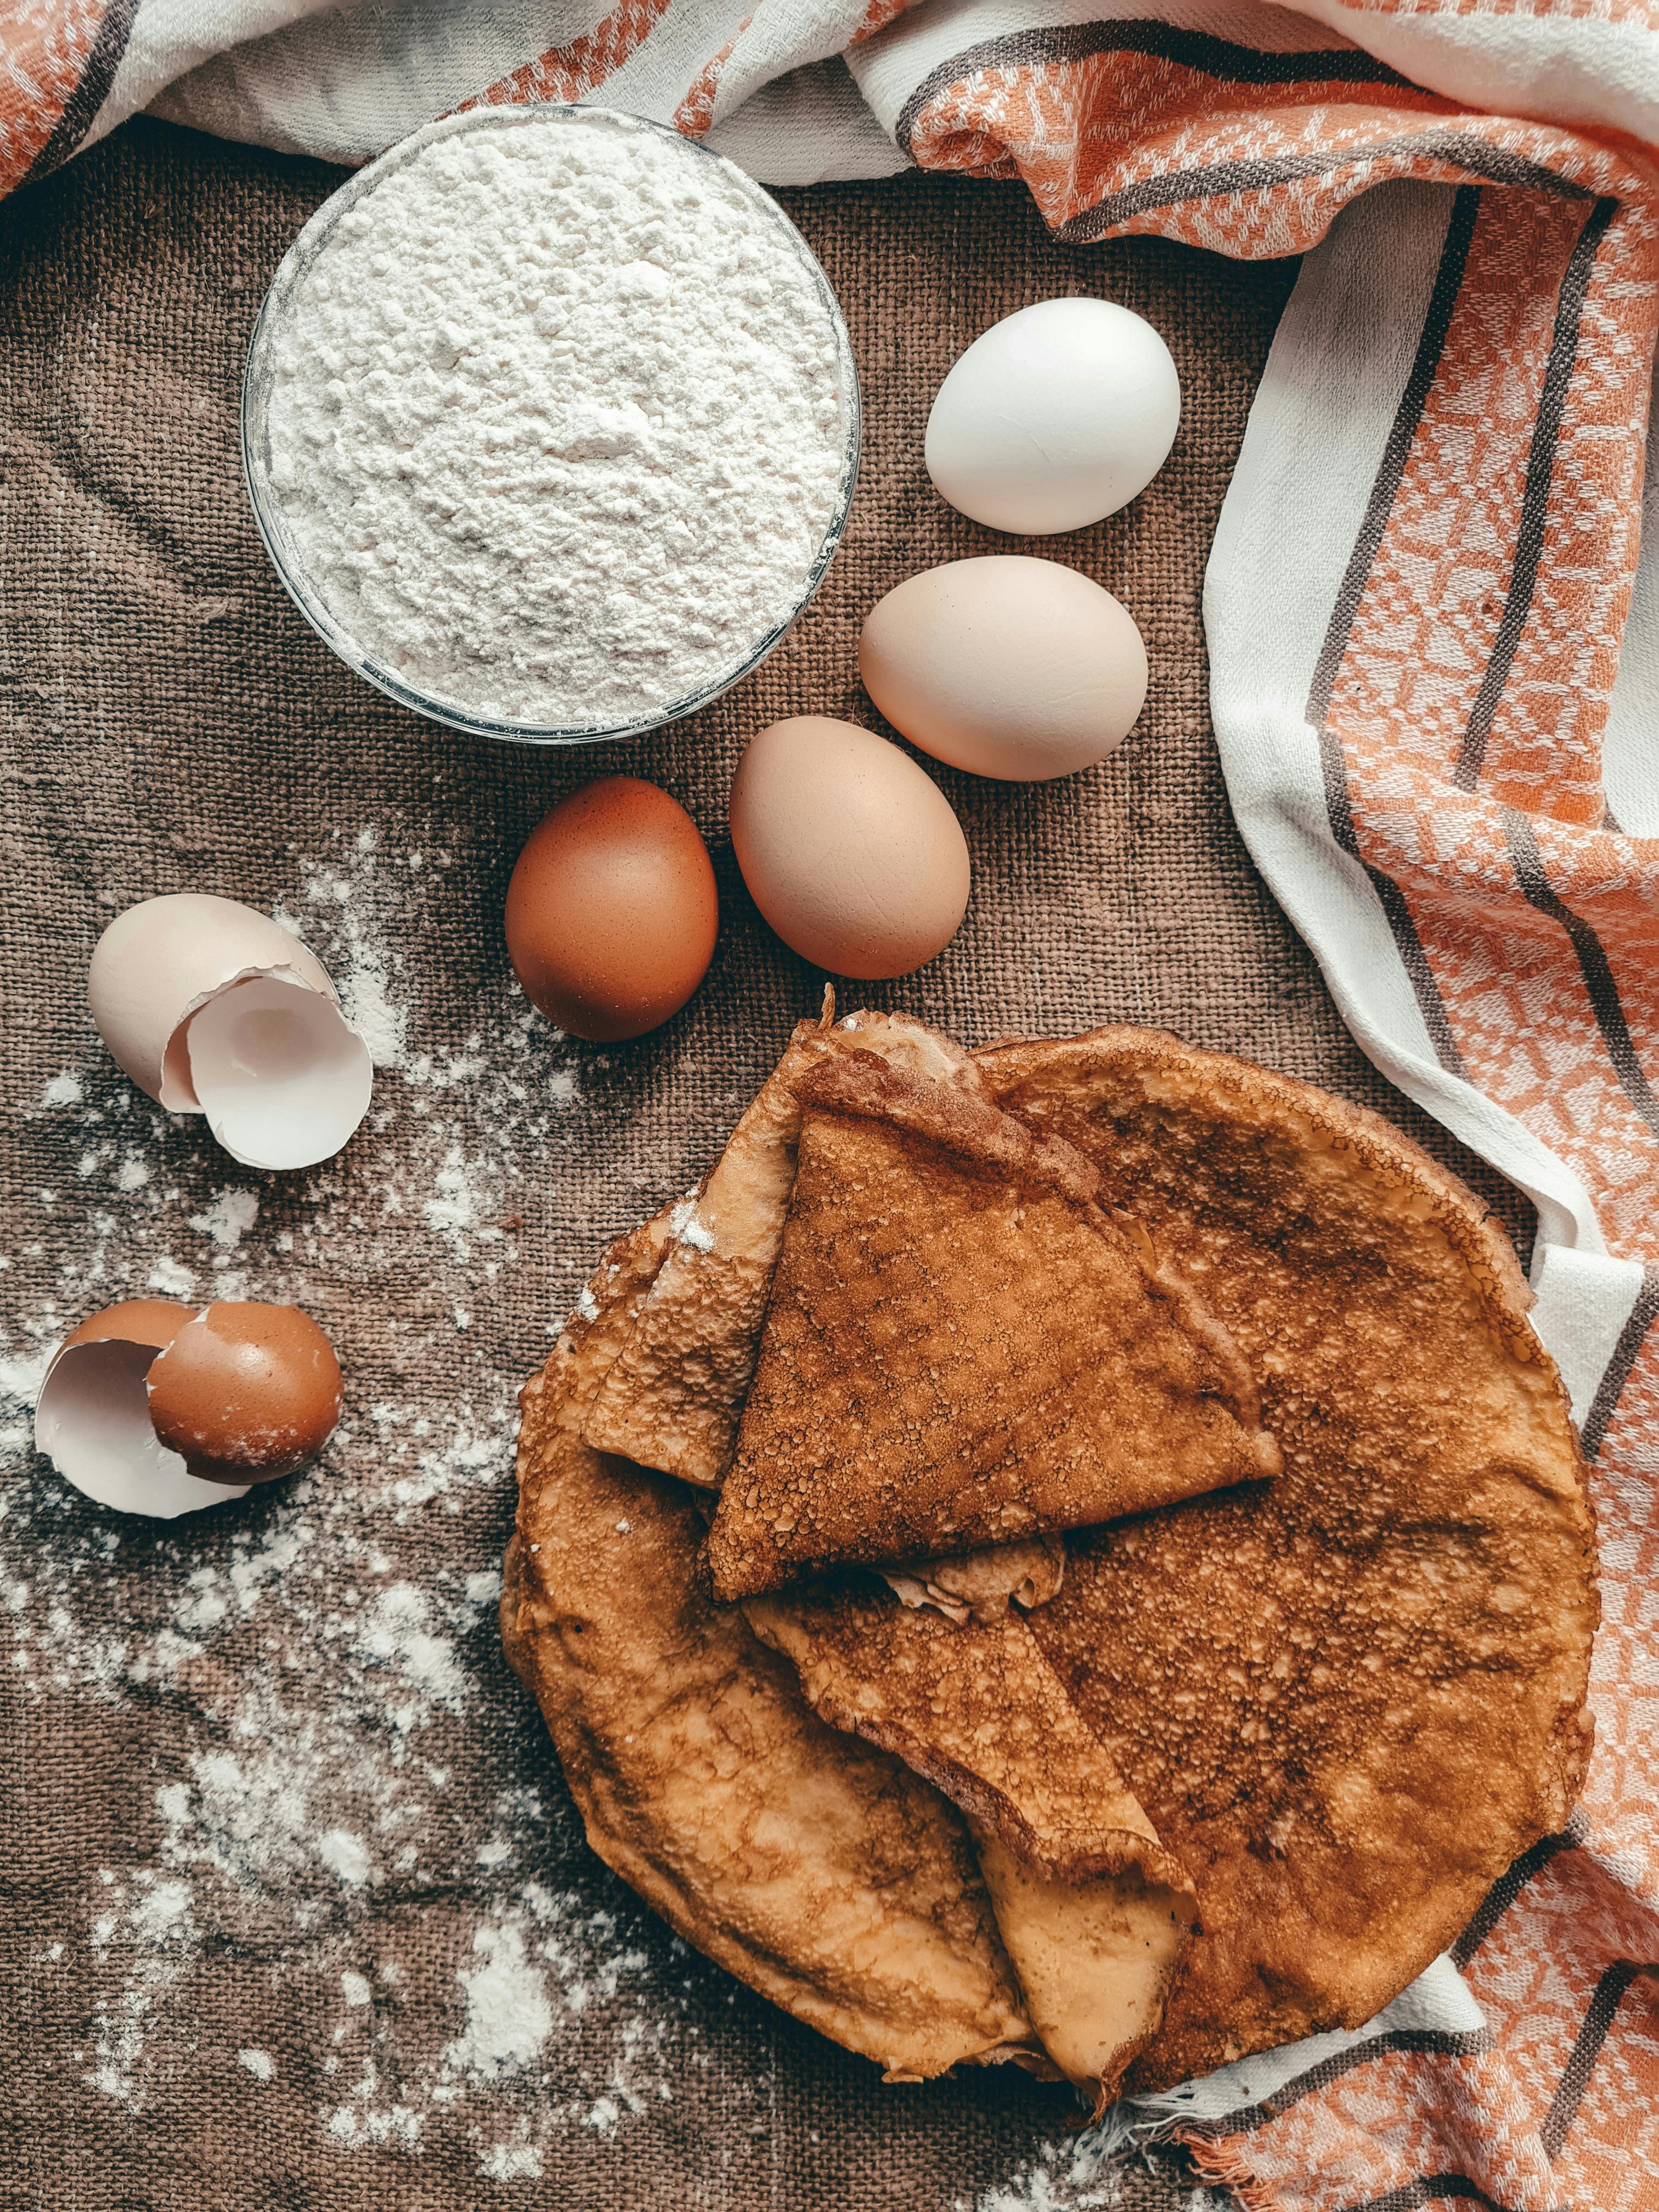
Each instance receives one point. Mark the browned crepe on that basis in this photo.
(1094, 1959)
(1349, 1698)
(673, 1398)
(978, 1710)
(1090, 1908)
(961, 1349)
(820, 1870)
(977, 1585)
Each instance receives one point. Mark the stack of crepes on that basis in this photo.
(1072, 1554)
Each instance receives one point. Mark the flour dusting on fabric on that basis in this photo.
(323, 1654)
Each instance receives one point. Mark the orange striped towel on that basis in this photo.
(1434, 626)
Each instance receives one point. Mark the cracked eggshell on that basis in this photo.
(245, 1393)
(92, 1418)
(281, 1077)
(160, 960)
(212, 1008)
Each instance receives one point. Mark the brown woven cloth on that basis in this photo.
(296, 1911)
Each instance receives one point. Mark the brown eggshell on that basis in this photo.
(611, 913)
(134, 1321)
(92, 1416)
(245, 1393)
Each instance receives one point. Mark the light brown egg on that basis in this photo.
(245, 1393)
(611, 913)
(851, 851)
(1006, 665)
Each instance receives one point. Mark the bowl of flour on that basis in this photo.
(550, 424)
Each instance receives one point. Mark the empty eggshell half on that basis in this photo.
(212, 1008)
(92, 1418)
(282, 1080)
(244, 1393)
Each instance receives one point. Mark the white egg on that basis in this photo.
(213, 1008)
(1054, 417)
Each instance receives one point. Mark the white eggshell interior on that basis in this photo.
(92, 1420)
(1054, 417)
(160, 960)
(282, 1078)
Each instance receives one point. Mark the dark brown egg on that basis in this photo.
(245, 1393)
(611, 913)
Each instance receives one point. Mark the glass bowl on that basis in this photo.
(273, 524)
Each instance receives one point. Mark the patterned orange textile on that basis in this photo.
(1460, 701)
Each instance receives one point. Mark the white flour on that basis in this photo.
(556, 419)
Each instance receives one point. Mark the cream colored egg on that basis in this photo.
(851, 852)
(1007, 665)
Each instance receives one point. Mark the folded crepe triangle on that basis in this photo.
(1092, 1911)
(962, 1349)
(674, 1395)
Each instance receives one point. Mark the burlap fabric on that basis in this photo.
(296, 1910)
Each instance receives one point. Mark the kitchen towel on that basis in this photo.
(1435, 654)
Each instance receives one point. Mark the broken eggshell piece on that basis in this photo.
(212, 1008)
(245, 1393)
(158, 1408)
(92, 1417)
(282, 1080)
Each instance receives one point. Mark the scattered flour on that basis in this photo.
(229, 1217)
(317, 1660)
(1077, 2174)
(510, 2162)
(367, 985)
(163, 1913)
(398, 1634)
(316, 1669)
(343, 1854)
(508, 2017)
(154, 1933)
(685, 1228)
(364, 2123)
(22, 1374)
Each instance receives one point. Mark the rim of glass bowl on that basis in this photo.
(272, 523)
